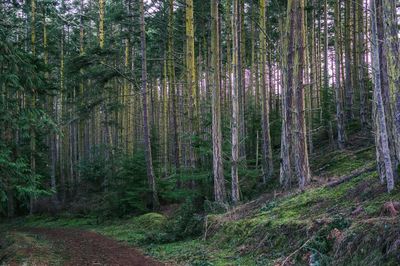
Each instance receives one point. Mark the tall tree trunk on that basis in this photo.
(165, 120)
(219, 181)
(326, 110)
(81, 130)
(63, 140)
(101, 23)
(267, 151)
(380, 111)
(385, 83)
(33, 106)
(242, 80)
(287, 97)
(338, 90)
(236, 81)
(354, 49)
(172, 87)
(51, 103)
(392, 43)
(301, 153)
(313, 77)
(146, 132)
(347, 51)
(191, 78)
(228, 29)
(361, 64)
(253, 90)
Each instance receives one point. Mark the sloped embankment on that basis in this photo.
(351, 222)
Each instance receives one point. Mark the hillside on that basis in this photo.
(344, 218)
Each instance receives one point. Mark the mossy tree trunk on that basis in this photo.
(382, 130)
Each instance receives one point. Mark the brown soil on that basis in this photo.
(88, 248)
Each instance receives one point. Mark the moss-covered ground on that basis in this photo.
(340, 225)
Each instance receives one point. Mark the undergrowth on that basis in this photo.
(341, 225)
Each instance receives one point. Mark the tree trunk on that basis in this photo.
(165, 120)
(287, 98)
(267, 151)
(301, 153)
(146, 132)
(380, 111)
(242, 80)
(326, 110)
(236, 84)
(361, 65)
(33, 106)
(347, 52)
(219, 181)
(191, 79)
(392, 45)
(172, 87)
(338, 90)
(385, 83)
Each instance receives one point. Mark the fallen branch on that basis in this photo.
(294, 252)
(353, 174)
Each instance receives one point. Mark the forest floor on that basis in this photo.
(345, 217)
(51, 246)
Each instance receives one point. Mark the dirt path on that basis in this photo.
(88, 248)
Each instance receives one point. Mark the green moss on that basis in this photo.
(339, 163)
(150, 221)
(123, 232)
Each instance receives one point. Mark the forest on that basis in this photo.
(189, 132)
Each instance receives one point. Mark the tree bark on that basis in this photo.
(301, 153)
(287, 98)
(392, 44)
(380, 111)
(361, 65)
(326, 110)
(236, 81)
(267, 151)
(172, 87)
(218, 171)
(146, 132)
(347, 52)
(33, 106)
(191, 79)
(341, 139)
